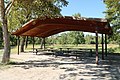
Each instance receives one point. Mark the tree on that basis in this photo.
(3, 20)
(77, 37)
(89, 39)
(72, 37)
(26, 4)
(63, 38)
(34, 11)
(113, 15)
(1, 40)
(76, 15)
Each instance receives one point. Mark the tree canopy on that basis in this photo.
(24, 10)
(16, 12)
(113, 15)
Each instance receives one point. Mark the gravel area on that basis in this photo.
(28, 66)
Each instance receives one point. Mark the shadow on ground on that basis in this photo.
(82, 69)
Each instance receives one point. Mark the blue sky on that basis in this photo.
(87, 8)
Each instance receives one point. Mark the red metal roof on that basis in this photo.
(47, 27)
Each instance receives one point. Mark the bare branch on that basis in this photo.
(8, 5)
(7, 9)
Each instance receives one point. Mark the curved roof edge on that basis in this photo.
(50, 26)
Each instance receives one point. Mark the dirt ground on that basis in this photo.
(29, 66)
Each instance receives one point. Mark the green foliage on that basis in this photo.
(113, 15)
(13, 40)
(42, 8)
(72, 37)
(78, 37)
(24, 10)
(89, 39)
(111, 50)
(63, 39)
(76, 15)
(51, 40)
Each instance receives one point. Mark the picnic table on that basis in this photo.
(67, 51)
(73, 52)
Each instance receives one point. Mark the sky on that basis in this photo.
(87, 8)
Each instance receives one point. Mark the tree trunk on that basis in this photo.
(22, 44)
(41, 44)
(6, 38)
(1, 39)
(26, 42)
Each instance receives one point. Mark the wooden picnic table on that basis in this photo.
(67, 51)
(70, 52)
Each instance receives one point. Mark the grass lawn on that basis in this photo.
(1, 52)
(111, 47)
